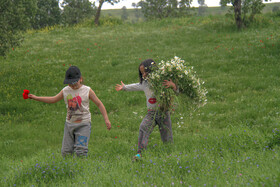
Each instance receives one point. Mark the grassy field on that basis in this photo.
(232, 141)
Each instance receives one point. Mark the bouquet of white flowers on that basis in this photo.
(183, 75)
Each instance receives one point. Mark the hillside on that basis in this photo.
(233, 140)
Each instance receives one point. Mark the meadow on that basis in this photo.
(232, 141)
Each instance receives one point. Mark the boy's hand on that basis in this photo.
(31, 96)
(108, 124)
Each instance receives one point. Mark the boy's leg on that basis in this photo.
(146, 128)
(68, 140)
(82, 135)
(165, 128)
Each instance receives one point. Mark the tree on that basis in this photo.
(48, 13)
(164, 8)
(16, 16)
(98, 12)
(275, 9)
(154, 8)
(242, 8)
(124, 13)
(185, 7)
(202, 7)
(137, 14)
(74, 11)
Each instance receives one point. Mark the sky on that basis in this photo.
(128, 3)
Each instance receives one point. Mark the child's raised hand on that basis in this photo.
(119, 87)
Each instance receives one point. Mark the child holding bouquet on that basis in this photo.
(154, 116)
(78, 121)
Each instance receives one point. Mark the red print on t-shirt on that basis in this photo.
(152, 100)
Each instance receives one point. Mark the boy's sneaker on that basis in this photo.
(137, 157)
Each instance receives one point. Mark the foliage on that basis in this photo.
(124, 13)
(183, 75)
(16, 16)
(275, 9)
(98, 12)
(75, 11)
(164, 8)
(202, 7)
(137, 11)
(185, 8)
(48, 14)
(244, 10)
(110, 21)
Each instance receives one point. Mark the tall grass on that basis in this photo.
(232, 141)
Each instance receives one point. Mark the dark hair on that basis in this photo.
(147, 65)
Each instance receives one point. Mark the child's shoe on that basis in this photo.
(137, 157)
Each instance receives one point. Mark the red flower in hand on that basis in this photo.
(25, 94)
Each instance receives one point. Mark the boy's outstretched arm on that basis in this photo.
(101, 107)
(53, 99)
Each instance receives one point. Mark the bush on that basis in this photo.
(110, 21)
(275, 9)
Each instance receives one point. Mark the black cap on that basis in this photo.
(72, 75)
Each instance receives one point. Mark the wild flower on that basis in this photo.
(185, 78)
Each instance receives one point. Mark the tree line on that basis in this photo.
(243, 11)
(19, 15)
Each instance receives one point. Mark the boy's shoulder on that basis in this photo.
(66, 88)
(82, 88)
(86, 87)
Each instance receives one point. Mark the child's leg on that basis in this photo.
(146, 127)
(82, 135)
(68, 140)
(165, 128)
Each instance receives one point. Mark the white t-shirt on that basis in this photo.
(77, 104)
(150, 98)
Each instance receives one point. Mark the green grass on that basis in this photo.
(232, 141)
